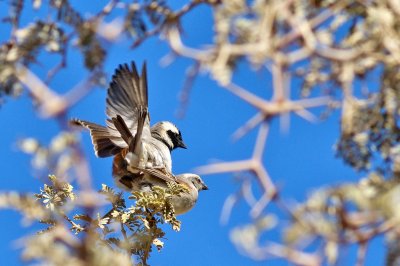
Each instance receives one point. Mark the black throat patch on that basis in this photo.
(176, 139)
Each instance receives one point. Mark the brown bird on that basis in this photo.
(144, 179)
(182, 203)
(142, 146)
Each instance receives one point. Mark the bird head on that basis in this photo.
(196, 181)
(169, 134)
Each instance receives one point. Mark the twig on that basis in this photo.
(51, 104)
(261, 141)
(191, 75)
(361, 253)
(314, 23)
(248, 126)
(227, 207)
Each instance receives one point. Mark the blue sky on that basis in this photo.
(298, 161)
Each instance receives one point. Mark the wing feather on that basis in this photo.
(101, 138)
(127, 96)
(126, 135)
(157, 173)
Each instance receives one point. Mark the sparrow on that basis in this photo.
(183, 202)
(144, 179)
(141, 146)
(186, 200)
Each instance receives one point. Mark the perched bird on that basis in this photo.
(142, 146)
(186, 200)
(182, 203)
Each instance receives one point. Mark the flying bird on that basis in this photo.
(127, 135)
(150, 177)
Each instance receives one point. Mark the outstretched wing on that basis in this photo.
(101, 138)
(127, 96)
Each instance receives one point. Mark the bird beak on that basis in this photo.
(181, 144)
(204, 187)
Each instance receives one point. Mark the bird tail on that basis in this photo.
(101, 138)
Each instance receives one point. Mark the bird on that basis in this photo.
(142, 146)
(186, 200)
(144, 179)
(183, 202)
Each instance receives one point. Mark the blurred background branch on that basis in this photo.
(321, 50)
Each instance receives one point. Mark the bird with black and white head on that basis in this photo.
(127, 135)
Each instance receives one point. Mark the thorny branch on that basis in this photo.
(260, 42)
